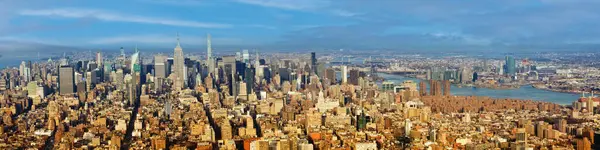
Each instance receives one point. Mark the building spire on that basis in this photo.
(136, 48)
(177, 39)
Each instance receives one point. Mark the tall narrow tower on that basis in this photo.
(99, 58)
(209, 58)
(208, 48)
(178, 65)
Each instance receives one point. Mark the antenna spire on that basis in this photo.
(177, 38)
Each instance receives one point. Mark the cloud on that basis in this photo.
(344, 13)
(288, 4)
(161, 39)
(109, 16)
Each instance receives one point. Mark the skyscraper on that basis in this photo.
(446, 84)
(99, 59)
(354, 74)
(510, 68)
(330, 74)
(66, 80)
(135, 61)
(209, 58)
(422, 88)
(178, 66)
(344, 74)
(313, 62)
(160, 67)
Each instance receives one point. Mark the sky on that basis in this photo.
(440, 25)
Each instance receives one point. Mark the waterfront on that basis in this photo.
(524, 92)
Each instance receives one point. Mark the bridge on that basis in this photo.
(401, 71)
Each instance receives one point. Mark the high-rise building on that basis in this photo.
(510, 67)
(435, 88)
(330, 74)
(179, 66)
(249, 79)
(584, 144)
(562, 125)
(160, 67)
(66, 80)
(422, 88)
(446, 84)
(210, 63)
(521, 139)
(540, 128)
(344, 74)
(354, 74)
(99, 59)
(313, 62)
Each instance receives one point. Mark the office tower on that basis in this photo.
(135, 62)
(446, 84)
(422, 88)
(229, 61)
(330, 74)
(178, 65)
(353, 79)
(313, 62)
(99, 59)
(160, 67)
(510, 67)
(344, 74)
(66, 80)
(465, 75)
(25, 71)
(249, 79)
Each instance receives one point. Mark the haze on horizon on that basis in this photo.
(512, 25)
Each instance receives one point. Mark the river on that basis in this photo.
(525, 92)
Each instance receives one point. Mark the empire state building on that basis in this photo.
(178, 64)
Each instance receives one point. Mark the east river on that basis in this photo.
(525, 92)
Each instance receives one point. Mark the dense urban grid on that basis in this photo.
(292, 101)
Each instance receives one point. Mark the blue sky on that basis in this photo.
(301, 24)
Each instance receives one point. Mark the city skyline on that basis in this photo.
(544, 25)
(300, 74)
